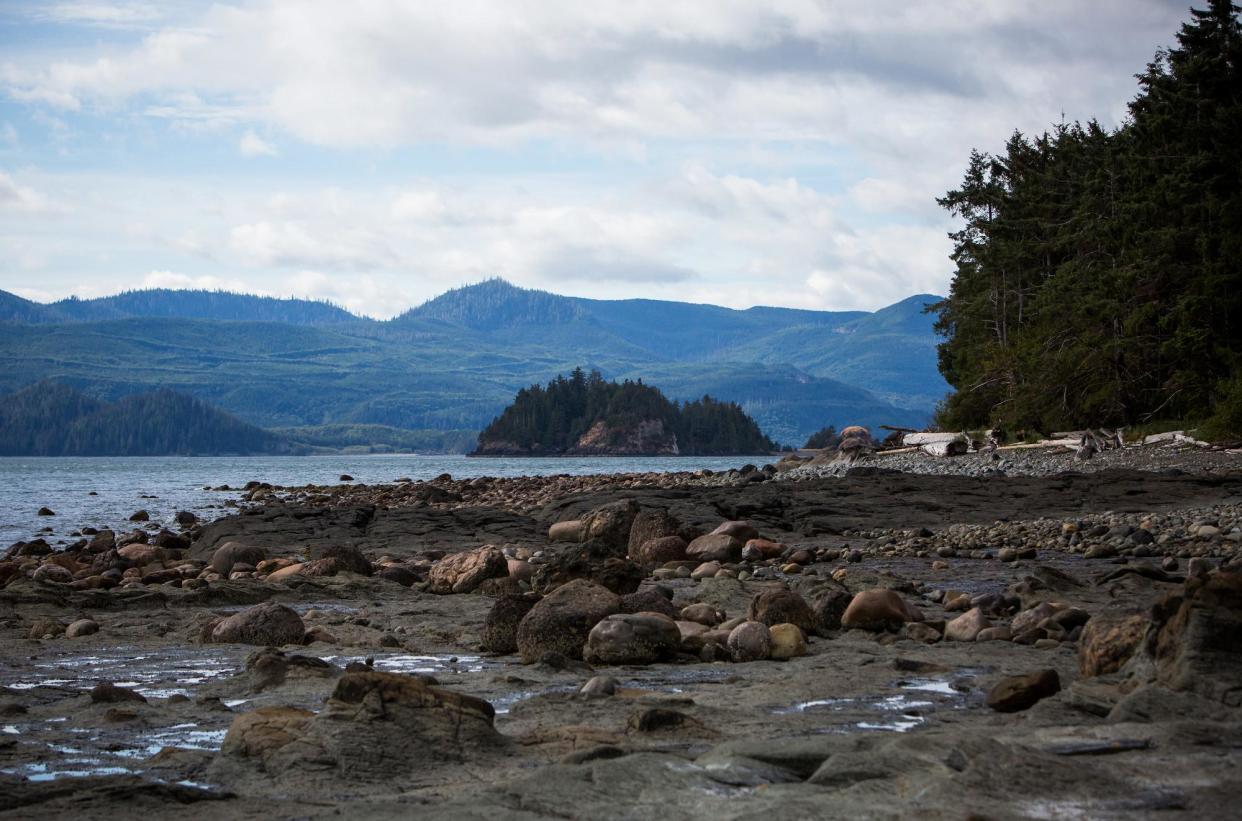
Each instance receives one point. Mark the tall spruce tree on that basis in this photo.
(1099, 273)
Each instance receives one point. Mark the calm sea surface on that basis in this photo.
(164, 485)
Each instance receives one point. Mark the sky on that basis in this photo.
(377, 153)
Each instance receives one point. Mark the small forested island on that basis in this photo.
(47, 419)
(585, 415)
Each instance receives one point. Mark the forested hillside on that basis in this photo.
(1099, 273)
(453, 363)
(586, 414)
(55, 420)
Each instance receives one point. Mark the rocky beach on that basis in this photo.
(1026, 636)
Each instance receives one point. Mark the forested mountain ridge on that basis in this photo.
(1099, 273)
(585, 415)
(55, 420)
(453, 364)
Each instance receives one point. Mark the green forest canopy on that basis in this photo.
(1098, 272)
(551, 419)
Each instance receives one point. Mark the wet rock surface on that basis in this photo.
(1091, 671)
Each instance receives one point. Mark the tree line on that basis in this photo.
(551, 419)
(48, 419)
(1098, 272)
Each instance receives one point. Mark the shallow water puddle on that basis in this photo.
(896, 713)
(160, 674)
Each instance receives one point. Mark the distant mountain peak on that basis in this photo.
(497, 303)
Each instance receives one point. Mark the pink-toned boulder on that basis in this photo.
(715, 547)
(141, 554)
(876, 610)
(463, 572)
(742, 531)
(286, 572)
(967, 626)
(764, 549)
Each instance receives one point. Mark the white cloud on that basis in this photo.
(717, 150)
(23, 200)
(252, 145)
(108, 15)
(177, 281)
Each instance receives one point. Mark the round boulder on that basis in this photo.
(714, 547)
(268, 624)
(53, 573)
(788, 641)
(632, 638)
(778, 606)
(231, 553)
(81, 627)
(563, 619)
(876, 610)
(750, 641)
(660, 550)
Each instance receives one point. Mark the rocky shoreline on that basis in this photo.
(1026, 644)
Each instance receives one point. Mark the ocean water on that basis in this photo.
(164, 485)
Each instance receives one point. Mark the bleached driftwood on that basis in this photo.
(928, 438)
(947, 447)
(1177, 436)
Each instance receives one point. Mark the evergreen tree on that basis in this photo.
(1098, 273)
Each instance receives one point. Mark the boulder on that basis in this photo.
(375, 728)
(563, 619)
(778, 606)
(742, 531)
(656, 599)
(788, 641)
(714, 547)
(52, 573)
(1108, 641)
(967, 626)
(702, 613)
(270, 667)
(44, 628)
(81, 627)
(707, 570)
(501, 625)
(1014, 693)
(611, 524)
(344, 557)
(231, 553)
(758, 549)
(108, 693)
(750, 641)
(141, 554)
(573, 530)
(1196, 638)
(264, 624)
(660, 551)
(463, 572)
(829, 606)
(877, 609)
(400, 574)
(650, 524)
(286, 572)
(632, 638)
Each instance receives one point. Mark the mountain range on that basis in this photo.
(454, 362)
